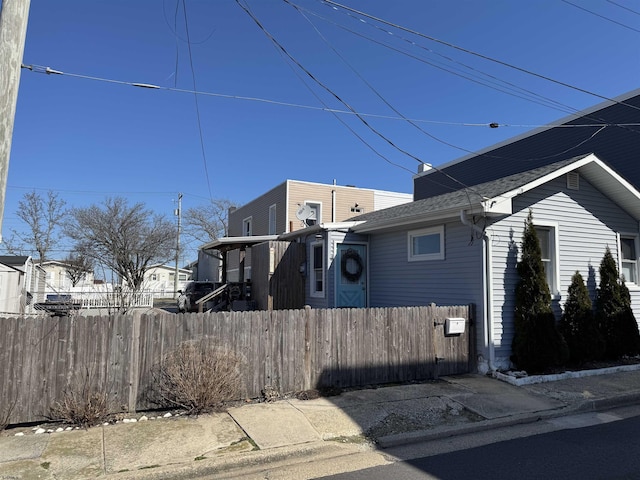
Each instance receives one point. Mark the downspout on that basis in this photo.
(487, 290)
(333, 204)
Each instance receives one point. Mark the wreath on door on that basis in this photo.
(351, 270)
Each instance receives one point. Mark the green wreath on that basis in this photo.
(351, 254)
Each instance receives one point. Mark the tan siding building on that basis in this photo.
(276, 211)
(296, 204)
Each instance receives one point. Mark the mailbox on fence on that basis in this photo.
(454, 326)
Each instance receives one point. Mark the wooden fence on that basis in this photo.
(289, 350)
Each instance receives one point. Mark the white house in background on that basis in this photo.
(21, 285)
(59, 281)
(159, 279)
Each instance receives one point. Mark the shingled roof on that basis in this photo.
(464, 197)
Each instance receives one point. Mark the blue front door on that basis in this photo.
(351, 276)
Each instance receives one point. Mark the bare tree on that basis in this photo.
(123, 238)
(43, 217)
(207, 222)
(77, 265)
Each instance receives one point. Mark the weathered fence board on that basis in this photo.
(290, 350)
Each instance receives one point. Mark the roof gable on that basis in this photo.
(494, 197)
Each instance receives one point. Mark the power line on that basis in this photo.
(465, 187)
(600, 16)
(369, 85)
(299, 9)
(91, 192)
(476, 54)
(494, 82)
(623, 7)
(195, 97)
(49, 71)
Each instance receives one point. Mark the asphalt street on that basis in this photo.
(607, 451)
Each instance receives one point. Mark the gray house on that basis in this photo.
(462, 247)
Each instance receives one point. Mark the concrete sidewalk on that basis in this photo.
(354, 426)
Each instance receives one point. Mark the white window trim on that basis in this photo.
(312, 273)
(316, 202)
(273, 219)
(555, 250)
(249, 221)
(425, 231)
(633, 236)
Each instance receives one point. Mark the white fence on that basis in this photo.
(109, 299)
(93, 299)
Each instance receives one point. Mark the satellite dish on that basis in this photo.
(304, 212)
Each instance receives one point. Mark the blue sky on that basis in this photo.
(89, 139)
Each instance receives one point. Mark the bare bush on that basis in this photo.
(82, 403)
(199, 377)
(5, 414)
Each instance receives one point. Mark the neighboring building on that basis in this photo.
(22, 285)
(462, 247)
(294, 205)
(59, 281)
(610, 130)
(208, 267)
(159, 280)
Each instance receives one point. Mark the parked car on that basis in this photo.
(193, 292)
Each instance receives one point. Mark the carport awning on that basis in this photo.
(226, 244)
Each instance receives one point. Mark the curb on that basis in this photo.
(533, 379)
(228, 463)
(593, 405)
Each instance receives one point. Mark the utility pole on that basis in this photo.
(178, 212)
(13, 31)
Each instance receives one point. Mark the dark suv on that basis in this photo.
(192, 292)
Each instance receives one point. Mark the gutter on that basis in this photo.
(487, 290)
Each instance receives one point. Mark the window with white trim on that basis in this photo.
(629, 258)
(316, 213)
(272, 219)
(246, 227)
(317, 269)
(426, 244)
(547, 238)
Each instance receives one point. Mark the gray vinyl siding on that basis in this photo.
(456, 280)
(587, 222)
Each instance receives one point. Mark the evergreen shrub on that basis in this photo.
(614, 316)
(578, 325)
(537, 344)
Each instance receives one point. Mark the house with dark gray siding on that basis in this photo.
(610, 130)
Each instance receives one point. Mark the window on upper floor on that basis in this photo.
(247, 229)
(316, 213)
(317, 269)
(272, 219)
(426, 244)
(629, 258)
